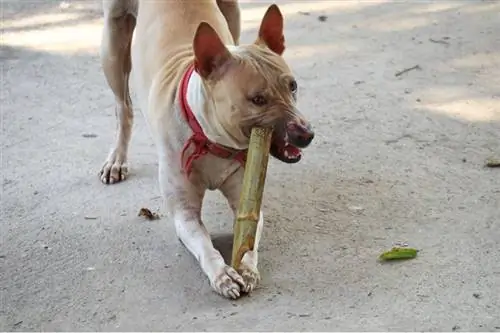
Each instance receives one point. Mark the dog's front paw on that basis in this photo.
(114, 169)
(251, 277)
(229, 283)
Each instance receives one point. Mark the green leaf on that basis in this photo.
(399, 253)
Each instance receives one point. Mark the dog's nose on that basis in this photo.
(299, 135)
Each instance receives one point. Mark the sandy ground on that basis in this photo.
(397, 158)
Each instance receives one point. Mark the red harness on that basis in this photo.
(202, 145)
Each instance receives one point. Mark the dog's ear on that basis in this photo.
(271, 30)
(211, 55)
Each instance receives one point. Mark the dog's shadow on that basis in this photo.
(224, 243)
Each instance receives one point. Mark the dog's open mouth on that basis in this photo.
(284, 151)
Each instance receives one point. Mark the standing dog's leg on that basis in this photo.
(231, 189)
(116, 63)
(184, 201)
(231, 11)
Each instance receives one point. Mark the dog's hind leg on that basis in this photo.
(231, 11)
(119, 24)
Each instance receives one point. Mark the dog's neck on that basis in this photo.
(214, 127)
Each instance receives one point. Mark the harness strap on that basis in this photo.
(202, 145)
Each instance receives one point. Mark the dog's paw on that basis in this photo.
(229, 283)
(114, 170)
(251, 277)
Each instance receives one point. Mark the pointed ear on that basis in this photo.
(271, 30)
(211, 55)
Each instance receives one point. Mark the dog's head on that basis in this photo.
(252, 85)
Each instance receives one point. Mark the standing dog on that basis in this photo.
(201, 93)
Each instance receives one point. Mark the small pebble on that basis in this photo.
(356, 209)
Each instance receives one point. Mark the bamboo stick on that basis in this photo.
(254, 178)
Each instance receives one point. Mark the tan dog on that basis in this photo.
(201, 93)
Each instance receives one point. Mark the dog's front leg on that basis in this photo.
(184, 201)
(248, 269)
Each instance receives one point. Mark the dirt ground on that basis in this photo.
(397, 157)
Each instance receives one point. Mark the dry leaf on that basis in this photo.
(148, 214)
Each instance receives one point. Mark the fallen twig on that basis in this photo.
(493, 162)
(406, 70)
(438, 41)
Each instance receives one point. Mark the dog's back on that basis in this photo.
(174, 22)
(164, 35)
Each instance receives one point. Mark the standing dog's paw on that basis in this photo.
(114, 170)
(228, 283)
(251, 277)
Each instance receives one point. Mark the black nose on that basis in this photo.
(299, 135)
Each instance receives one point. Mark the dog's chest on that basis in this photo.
(214, 171)
(207, 169)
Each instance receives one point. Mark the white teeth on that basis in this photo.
(286, 153)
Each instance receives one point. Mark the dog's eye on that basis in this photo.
(293, 86)
(259, 100)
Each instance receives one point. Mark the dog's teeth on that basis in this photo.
(286, 153)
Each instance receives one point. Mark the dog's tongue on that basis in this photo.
(291, 151)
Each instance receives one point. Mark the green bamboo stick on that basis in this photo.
(252, 189)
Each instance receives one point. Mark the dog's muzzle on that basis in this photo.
(299, 135)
